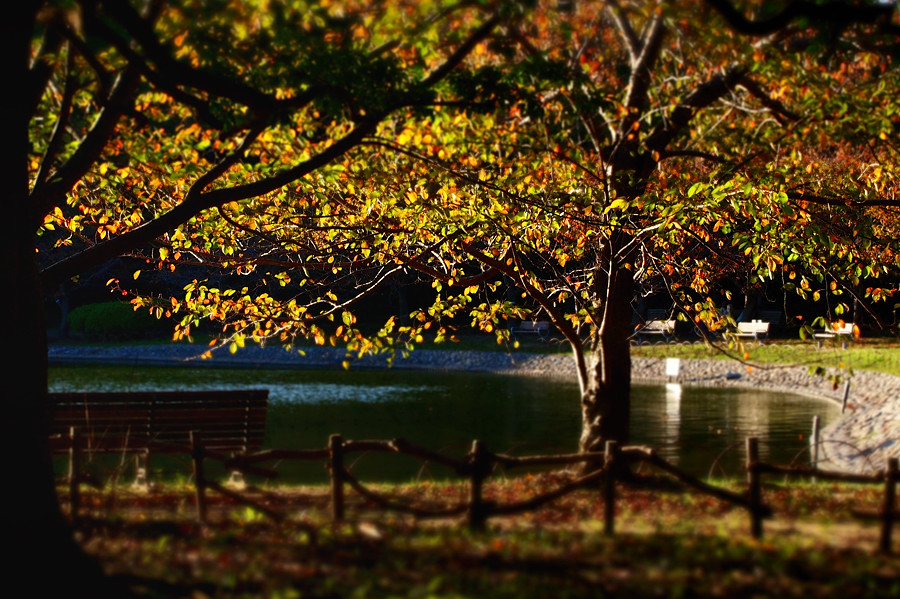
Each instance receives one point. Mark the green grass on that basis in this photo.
(877, 354)
(880, 355)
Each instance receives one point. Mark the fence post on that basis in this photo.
(754, 490)
(610, 464)
(199, 474)
(890, 504)
(336, 454)
(814, 461)
(74, 470)
(479, 462)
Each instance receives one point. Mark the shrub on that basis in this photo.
(115, 321)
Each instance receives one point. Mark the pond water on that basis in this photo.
(701, 429)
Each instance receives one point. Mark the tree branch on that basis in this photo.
(56, 139)
(834, 201)
(779, 110)
(196, 200)
(836, 12)
(624, 25)
(702, 96)
(46, 196)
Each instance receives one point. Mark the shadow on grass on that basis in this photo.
(667, 545)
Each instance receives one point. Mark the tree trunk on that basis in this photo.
(37, 534)
(606, 394)
(34, 525)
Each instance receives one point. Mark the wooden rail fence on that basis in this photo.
(479, 463)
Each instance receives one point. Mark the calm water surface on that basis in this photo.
(701, 429)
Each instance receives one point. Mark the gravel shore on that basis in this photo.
(860, 441)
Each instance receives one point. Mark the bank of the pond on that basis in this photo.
(866, 435)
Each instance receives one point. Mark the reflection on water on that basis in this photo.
(701, 429)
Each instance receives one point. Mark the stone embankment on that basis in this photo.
(860, 441)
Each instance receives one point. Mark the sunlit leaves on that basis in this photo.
(533, 159)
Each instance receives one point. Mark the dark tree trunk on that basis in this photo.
(42, 551)
(606, 394)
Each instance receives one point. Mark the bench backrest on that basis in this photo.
(844, 329)
(754, 326)
(775, 318)
(662, 326)
(231, 420)
(534, 325)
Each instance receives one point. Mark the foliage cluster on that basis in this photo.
(727, 165)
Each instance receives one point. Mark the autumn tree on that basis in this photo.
(669, 148)
(607, 151)
(168, 131)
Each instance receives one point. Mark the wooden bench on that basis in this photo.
(154, 422)
(541, 328)
(755, 329)
(656, 328)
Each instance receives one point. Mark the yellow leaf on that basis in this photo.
(618, 204)
(136, 274)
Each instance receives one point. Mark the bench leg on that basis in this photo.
(199, 474)
(74, 472)
(141, 472)
(236, 480)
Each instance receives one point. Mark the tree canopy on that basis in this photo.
(169, 132)
(576, 161)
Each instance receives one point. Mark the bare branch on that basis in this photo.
(841, 201)
(778, 109)
(624, 25)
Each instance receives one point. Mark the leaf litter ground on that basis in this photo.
(666, 544)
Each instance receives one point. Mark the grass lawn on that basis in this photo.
(881, 355)
(668, 544)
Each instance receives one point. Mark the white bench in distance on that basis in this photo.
(664, 328)
(837, 330)
(755, 329)
(541, 328)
